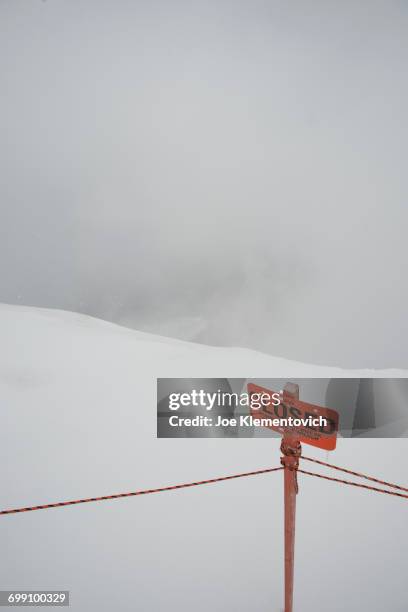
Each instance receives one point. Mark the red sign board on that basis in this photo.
(308, 428)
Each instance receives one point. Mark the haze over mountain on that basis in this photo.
(225, 172)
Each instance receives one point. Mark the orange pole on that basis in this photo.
(291, 450)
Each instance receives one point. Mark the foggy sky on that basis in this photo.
(223, 171)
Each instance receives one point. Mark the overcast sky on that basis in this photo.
(223, 171)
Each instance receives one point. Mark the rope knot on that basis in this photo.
(291, 451)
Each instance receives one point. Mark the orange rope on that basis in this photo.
(223, 478)
(335, 467)
(354, 484)
(145, 492)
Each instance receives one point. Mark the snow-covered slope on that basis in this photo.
(78, 419)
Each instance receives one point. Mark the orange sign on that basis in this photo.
(311, 424)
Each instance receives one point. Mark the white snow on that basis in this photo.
(78, 406)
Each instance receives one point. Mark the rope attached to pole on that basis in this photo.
(290, 457)
(371, 478)
(134, 493)
(355, 484)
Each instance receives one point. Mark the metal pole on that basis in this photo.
(291, 450)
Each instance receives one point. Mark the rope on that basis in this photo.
(145, 492)
(354, 484)
(335, 467)
(223, 478)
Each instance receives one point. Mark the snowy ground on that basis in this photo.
(79, 419)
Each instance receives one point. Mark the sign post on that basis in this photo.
(291, 451)
(316, 434)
